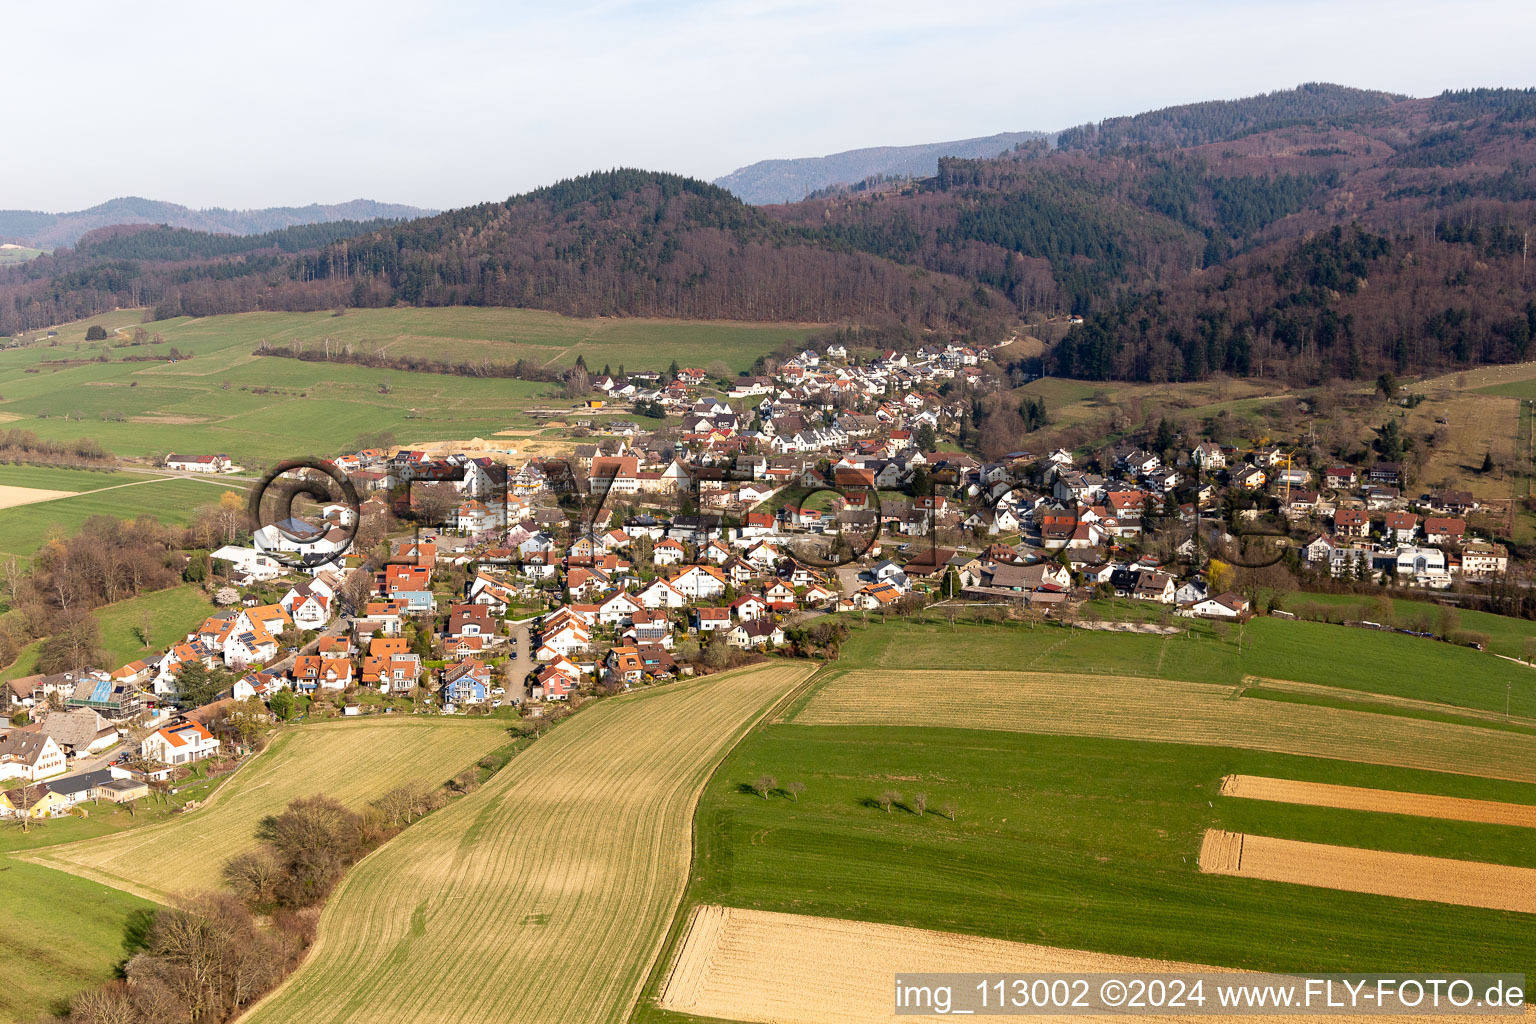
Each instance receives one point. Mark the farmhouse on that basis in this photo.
(198, 463)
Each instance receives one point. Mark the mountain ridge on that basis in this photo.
(45, 230)
(791, 179)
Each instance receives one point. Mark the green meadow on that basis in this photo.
(1308, 652)
(264, 409)
(1506, 635)
(1085, 844)
(172, 500)
(59, 934)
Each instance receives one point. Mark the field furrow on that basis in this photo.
(1165, 711)
(544, 897)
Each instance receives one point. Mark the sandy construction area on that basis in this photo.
(1404, 875)
(768, 968)
(11, 496)
(1168, 711)
(1354, 798)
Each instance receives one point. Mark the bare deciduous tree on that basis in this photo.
(764, 784)
(795, 789)
(888, 798)
(920, 803)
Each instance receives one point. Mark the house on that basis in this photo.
(661, 594)
(308, 605)
(618, 610)
(1388, 473)
(570, 637)
(1250, 478)
(649, 628)
(252, 564)
(394, 672)
(707, 620)
(779, 595)
(181, 743)
(1191, 592)
(1400, 526)
(1028, 577)
(79, 732)
(1483, 560)
(469, 620)
(1154, 586)
(1340, 477)
(876, 596)
(625, 665)
(1454, 502)
(1351, 522)
(30, 755)
(39, 801)
(198, 463)
(755, 633)
(700, 582)
(1222, 606)
(817, 595)
(467, 682)
(313, 671)
(1444, 529)
(668, 552)
(750, 607)
(1208, 456)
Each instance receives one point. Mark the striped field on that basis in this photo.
(1166, 711)
(545, 896)
(352, 761)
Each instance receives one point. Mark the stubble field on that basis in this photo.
(768, 968)
(353, 762)
(1384, 801)
(1408, 876)
(544, 896)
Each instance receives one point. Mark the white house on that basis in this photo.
(198, 463)
(182, 743)
(702, 583)
(29, 755)
(255, 564)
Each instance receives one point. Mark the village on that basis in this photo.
(783, 506)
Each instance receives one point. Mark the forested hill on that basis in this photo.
(617, 243)
(51, 230)
(1197, 124)
(1186, 260)
(158, 242)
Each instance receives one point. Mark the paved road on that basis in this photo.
(520, 652)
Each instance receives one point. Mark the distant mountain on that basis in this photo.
(1318, 233)
(789, 181)
(51, 230)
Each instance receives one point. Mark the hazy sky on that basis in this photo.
(451, 102)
